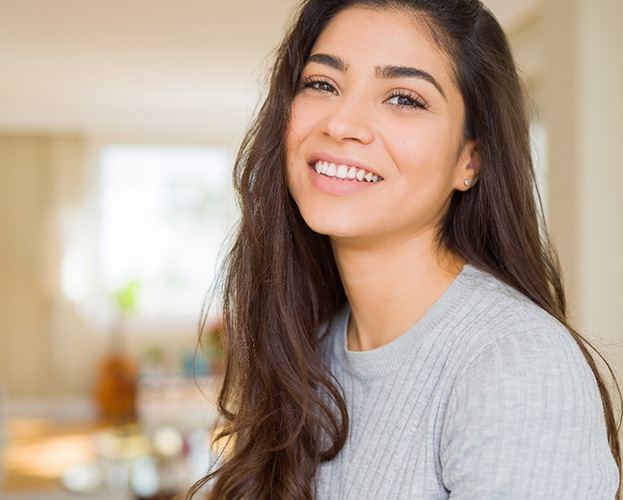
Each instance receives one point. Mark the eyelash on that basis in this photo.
(308, 83)
(415, 101)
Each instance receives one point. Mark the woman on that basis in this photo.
(395, 318)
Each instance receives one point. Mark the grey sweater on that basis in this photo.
(486, 397)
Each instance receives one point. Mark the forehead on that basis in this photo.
(371, 36)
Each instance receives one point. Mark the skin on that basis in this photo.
(405, 129)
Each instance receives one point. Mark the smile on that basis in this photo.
(345, 172)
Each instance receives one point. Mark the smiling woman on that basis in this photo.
(364, 103)
(396, 324)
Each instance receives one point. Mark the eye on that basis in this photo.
(404, 99)
(318, 85)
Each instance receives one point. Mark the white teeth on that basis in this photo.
(342, 172)
(345, 172)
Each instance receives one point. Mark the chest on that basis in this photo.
(392, 450)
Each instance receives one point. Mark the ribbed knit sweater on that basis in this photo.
(486, 397)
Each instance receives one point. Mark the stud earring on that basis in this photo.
(467, 182)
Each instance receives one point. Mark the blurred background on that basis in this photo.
(119, 121)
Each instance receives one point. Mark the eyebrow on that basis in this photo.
(407, 72)
(386, 72)
(332, 61)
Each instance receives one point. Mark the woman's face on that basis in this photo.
(376, 102)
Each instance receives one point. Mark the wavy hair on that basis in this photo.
(284, 412)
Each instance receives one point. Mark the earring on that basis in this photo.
(467, 182)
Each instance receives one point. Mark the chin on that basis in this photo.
(335, 227)
(323, 225)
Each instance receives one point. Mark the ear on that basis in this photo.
(468, 166)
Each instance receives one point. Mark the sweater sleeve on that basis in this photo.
(525, 421)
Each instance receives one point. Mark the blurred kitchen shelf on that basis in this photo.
(60, 495)
(45, 437)
(40, 450)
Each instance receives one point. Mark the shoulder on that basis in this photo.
(524, 413)
(516, 351)
(499, 320)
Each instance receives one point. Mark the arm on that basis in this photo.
(525, 421)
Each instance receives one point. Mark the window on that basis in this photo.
(164, 216)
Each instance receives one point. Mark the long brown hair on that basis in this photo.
(281, 287)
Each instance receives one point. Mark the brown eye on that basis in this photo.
(324, 86)
(407, 100)
(402, 100)
(318, 85)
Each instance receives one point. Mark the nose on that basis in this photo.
(349, 120)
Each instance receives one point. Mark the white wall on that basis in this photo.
(571, 52)
(582, 106)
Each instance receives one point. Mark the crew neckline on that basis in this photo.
(389, 357)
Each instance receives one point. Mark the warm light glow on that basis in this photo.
(38, 450)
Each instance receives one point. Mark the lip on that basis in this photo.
(338, 160)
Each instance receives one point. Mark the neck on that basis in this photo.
(391, 286)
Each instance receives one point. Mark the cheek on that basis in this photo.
(294, 137)
(306, 118)
(411, 150)
(419, 148)
(292, 133)
(299, 125)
